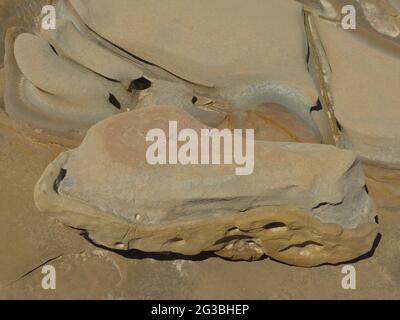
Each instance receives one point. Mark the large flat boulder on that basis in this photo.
(304, 204)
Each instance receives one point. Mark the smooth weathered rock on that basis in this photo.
(383, 185)
(54, 95)
(366, 99)
(159, 276)
(244, 63)
(370, 129)
(75, 46)
(304, 204)
(208, 47)
(255, 62)
(271, 122)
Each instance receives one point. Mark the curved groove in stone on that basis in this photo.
(63, 118)
(72, 44)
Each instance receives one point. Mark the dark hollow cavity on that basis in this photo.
(274, 225)
(140, 84)
(339, 125)
(114, 101)
(54, 49)
(327, 204)
(59, 179)
(317, 107)
(308, 56)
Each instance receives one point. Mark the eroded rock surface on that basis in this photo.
(196, 52)
(255, 74)
(271, 122)
(86, 71)
(368, 117)
(383, 185)
(305, 204)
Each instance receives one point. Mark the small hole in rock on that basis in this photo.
(114, 101)
(274, 225)
(59, 179)
(317, 107)
(194, 99)
(140, 84)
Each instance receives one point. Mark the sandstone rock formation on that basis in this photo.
(196, 52)
(354, 93)
(271, 122)
(304, 204)
(252, 73)
(302, 81)
(208, 74)
(368, 118)
(54, 95)
(383, 185)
